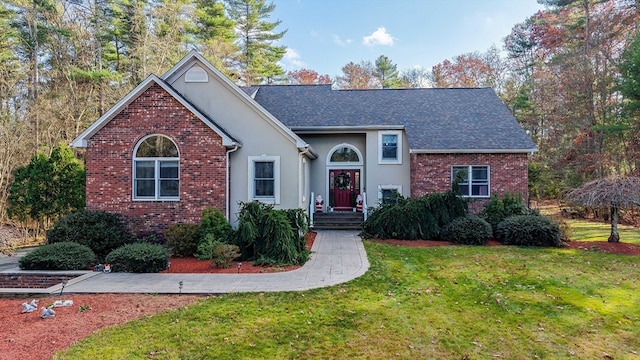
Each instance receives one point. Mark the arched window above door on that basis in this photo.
(344, 153)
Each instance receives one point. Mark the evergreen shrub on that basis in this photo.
(205, 247)
(139, 258)
(59, 256)
(413, 219)
(214, 222)
(499, 209)
(529, 230)
(182, 239)
(101, 231)
(299, 221)
(467, 230)
(269, 236)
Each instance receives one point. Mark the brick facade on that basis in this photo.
(432, 173)
(202, 163)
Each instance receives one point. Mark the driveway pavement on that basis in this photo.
(336, 257)
(11, 262)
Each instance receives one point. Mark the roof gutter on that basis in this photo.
(342, 129)
(306, 150)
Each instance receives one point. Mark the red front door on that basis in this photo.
(344, 186)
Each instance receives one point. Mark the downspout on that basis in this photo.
(306, 151)
(228, 177)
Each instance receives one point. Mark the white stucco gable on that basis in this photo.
(190, 77)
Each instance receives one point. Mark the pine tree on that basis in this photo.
(259, 55)
(387, 72)
(214, 34)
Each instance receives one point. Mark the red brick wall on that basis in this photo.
(202, 163)
(432, 173)
(32, 281)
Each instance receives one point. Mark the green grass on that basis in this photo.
(458, 302)
(582, 230)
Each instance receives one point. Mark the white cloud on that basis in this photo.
(340, 42)
(379, 37)
(292, 58)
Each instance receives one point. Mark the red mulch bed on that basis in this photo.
(613, 248)
(28, 337)
(192, 265)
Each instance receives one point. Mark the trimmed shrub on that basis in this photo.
(214, 222)
(59, 256)
(139, 258)
(529, 230)
(101, 231)
(412, 219)
(467, 230)
(182, 239)
(500, 209)
(222, 254)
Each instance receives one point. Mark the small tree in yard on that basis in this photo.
(613, 193)
(47, 188)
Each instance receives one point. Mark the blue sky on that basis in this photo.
(324, 35)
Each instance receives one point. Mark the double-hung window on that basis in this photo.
(156, 169)
(264, 178)
(390, 147)
(389, 194)
(473, 181)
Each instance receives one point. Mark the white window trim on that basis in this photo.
(397, 188)
(157, 161)
(398, 160)
(276, 179)
(469, 167)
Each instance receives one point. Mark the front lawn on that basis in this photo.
(455, 302)
(582, 230)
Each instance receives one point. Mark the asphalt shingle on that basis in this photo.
(434, 119)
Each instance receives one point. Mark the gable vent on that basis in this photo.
(196, 74)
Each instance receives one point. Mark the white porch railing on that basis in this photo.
(365, 210)
(312, 208)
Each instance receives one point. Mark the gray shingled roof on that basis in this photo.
(434, 119)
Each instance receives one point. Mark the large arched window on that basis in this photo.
(156, 174)
(344, 153)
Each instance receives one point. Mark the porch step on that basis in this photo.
(338, 220)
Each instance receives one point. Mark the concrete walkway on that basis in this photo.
(336, 257)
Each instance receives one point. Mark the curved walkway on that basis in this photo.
(336, 257)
